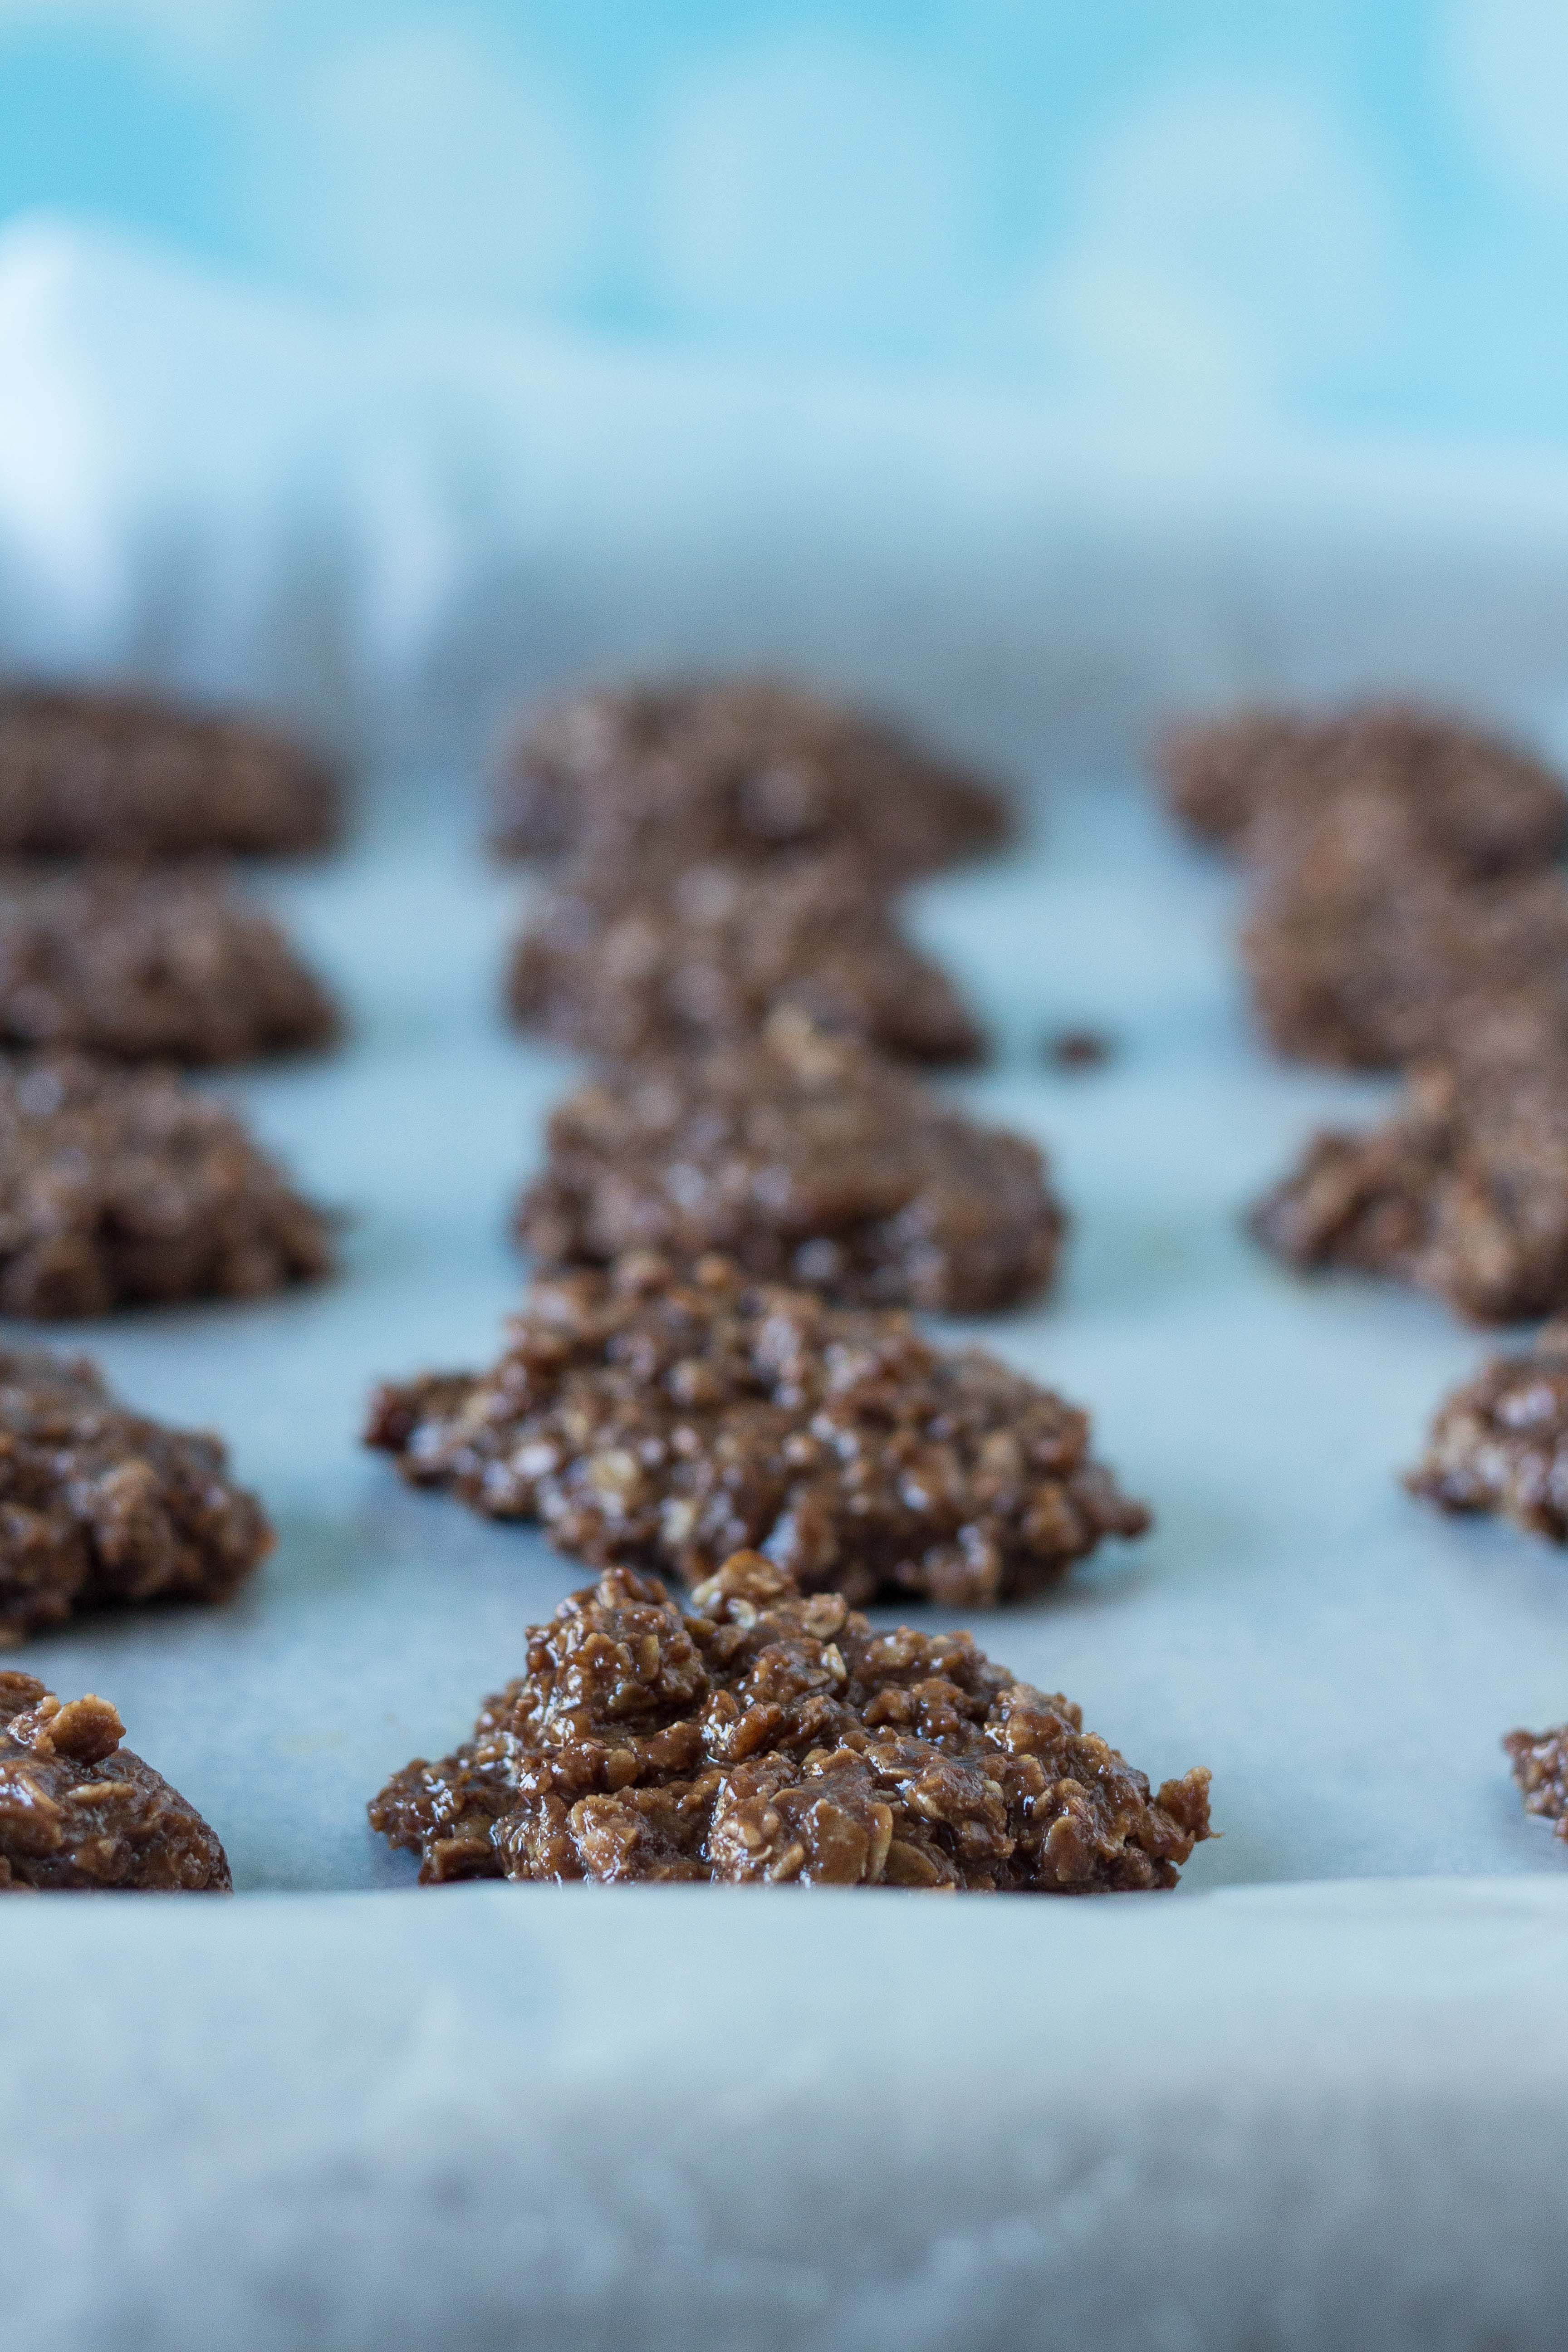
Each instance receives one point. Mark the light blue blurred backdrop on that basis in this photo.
(1345, 212)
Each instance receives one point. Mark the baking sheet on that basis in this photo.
(1344, 1660)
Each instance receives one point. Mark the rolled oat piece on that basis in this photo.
(770, 1739)
(1540, 1760)
(93, 773)
(807, 1160)
(120, 1187)
(102, 1508)
(1482, 802)
(663, 1421)
(626, 962)
(80, 1814)
(1500, 1443)
(152, 964)
(743, 769)
(1463, 1191)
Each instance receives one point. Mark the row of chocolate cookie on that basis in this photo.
(127, 953)
(1404, 911)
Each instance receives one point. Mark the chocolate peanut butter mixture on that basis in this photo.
(769, 1737)
(1463, 1191)
(1500, 1443)
(1365, 950)
(91, 773)
(152, 964)
(737, 771)
(807, 1160)
(100, 1508)
(80, 1814)
(120, 1186)
(1539, 1761)
(626, 962)
(663, 1422)
(1484, 804)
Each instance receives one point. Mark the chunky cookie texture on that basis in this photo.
(628, 961)
(152, 965)
(85, 772)
(80, 1814)
(807, 1160)
(1366, 950)
(1500, 1443)
(770, 1738)
(119, 1187)
(1464, 1191)
(664, 1423)
(739, 770)
(1540, 1760)
(1482, 804)
(100, 1508)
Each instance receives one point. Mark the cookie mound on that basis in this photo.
(119, 1187)
(86, 773)
(807, 1160)
(628, 961)
(152, 965)
(79, 1814)
(1500, 1443)
(663, 1421)
(746, 769)
(102, 1508)
(773, 1739)
(1481, 803)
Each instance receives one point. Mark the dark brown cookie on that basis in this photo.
(1540, 1760)
(152, 964)
(739, 770)
(1483, 803)
(663, 1423)
(1500, 1443)
(1463, 1191)
(624, 962)
(80, 1814)
(771, 1739)
(807, 1160)
(102, 1508)
(118, 1186)
(1364, 947)
(93, 773)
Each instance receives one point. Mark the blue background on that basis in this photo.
(1351, 212)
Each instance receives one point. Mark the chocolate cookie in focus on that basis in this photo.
(88, 771)
(104, 1508)
(119, 1187)
(766, 1738)
(663, 1420)
(740, 769)
(807, 1160)
(80, 1814)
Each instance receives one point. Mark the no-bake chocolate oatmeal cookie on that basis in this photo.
(624, 962)
(665, 1422)
(805, 1159)
(1540, 1760)
(1463, 1191)
(85, 772)
(1500, 1443)
(1364, 947)
(80, 1814)
(123, 1186)
(161, 964)
(102, 1508)
(1483, 803)
(740, 771)
(772, 1738)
